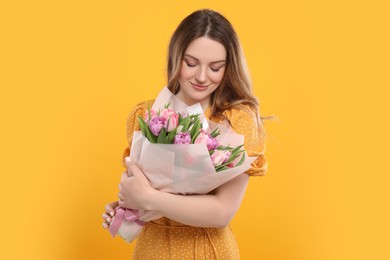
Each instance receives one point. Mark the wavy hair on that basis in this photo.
(235, 90)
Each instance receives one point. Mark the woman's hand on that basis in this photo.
(134, 191)
(109, 214)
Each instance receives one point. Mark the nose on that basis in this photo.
(201, 75)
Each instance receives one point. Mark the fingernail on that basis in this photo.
(112, 213)
(108, 219)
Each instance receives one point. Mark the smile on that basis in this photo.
(199, 87)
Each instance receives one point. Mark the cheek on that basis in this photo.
(217, 77)
(186, 73)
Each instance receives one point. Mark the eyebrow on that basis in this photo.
(218, 61)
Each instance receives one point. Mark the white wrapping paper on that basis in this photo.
(180, 168)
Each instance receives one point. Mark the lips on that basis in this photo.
(198, 87)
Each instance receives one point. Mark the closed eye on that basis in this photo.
(190, 64)
(216, 69)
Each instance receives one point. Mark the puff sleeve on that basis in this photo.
(133, 125)
(244, 123)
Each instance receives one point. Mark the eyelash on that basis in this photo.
(190, 65)
(193, 65)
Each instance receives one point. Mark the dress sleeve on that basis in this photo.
(133, 125)
(244, 123)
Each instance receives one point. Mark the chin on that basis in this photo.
(198, 98)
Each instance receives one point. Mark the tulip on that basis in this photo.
(156, 124)
(182, 138)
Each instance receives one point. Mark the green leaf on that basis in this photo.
(141, 123)
(221, 168)
(149, 114)
(224, 148)
(242, 160)
(146, 131)
(171, 136)
(180, 119)
(151, 137)
(231, 159)
(162, 137)
(195, 131)
(215, 132)
(186, 124)
(237, 148)
(143, 126)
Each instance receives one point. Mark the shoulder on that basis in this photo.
(142, 106)
(242, 116)
(139, 109)
(243, 120)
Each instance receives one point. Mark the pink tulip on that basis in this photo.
(156, 124)
(153, 115)
(206, 138)
(220, 157)
(182, 138)
(172, 118)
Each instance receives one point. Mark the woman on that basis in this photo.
(205, 65)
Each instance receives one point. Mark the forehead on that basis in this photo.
(206, 50)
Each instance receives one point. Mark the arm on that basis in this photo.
(211, 210)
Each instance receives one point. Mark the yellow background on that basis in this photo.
(72, 70)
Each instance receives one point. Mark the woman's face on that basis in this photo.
(202, 71)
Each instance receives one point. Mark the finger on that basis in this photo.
(114, 204)
(107, 218)
(105, 225)
(110, 210)
(124, 176)
(132, 167)
(122, 204)
(128, 162)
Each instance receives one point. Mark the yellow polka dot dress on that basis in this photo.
(167, 239)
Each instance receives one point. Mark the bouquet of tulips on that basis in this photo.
(180, 152)
(170, 127)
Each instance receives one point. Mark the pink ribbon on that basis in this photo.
(122, 214)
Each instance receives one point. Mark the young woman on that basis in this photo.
(205, 65)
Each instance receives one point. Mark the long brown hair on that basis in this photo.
(235, 89)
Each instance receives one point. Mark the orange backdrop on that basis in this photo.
(72, 70)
